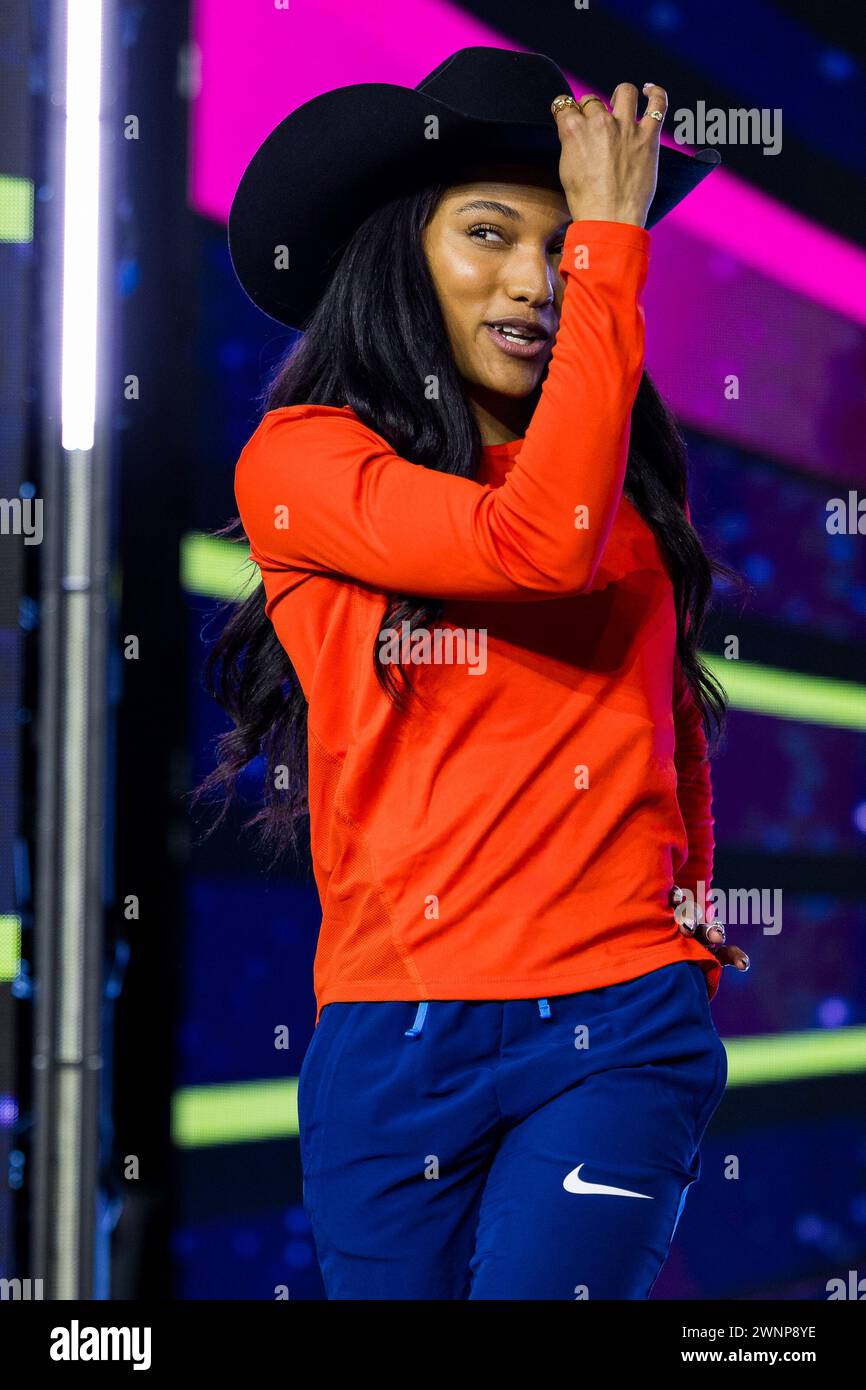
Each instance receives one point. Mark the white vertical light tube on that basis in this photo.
(81, 223)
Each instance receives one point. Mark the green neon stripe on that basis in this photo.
(16, 208)
(10, 946)
(216, 568)
(242, 1112)
(250, 1111)
(220, 569)
(789, 694)
(795, 1056)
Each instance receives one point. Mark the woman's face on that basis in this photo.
(493, 248)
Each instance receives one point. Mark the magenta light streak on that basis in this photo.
(259, 63)
(766, 236)
(801, 368)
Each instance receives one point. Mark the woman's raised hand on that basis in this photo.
(609, 161)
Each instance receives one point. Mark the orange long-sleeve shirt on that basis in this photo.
(516, 832)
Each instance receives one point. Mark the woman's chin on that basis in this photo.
(515, 380)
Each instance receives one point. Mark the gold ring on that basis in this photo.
(562, 102)
(586, 100)
(657, 116)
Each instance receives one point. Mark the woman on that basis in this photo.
(482, 599)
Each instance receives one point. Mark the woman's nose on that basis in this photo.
(532, 280)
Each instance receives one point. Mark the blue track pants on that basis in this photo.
(520, 1149)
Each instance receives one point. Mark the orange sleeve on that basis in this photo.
(322, 492)
(694, 784)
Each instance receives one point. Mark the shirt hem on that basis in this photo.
(491, 987)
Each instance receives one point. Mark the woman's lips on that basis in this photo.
(533, 348)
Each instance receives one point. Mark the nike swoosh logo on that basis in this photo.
(575, 1183)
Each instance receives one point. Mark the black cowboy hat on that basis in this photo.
(337, 158)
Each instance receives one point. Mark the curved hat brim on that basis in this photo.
(343, 154)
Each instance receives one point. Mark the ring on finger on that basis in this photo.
(562, 102)
(657, 116)
(584, 101)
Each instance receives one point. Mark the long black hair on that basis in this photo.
(376, 334)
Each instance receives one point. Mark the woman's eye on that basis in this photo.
(474, 231)
(487, 234)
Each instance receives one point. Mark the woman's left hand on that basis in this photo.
(711, 935)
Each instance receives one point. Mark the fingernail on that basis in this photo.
(743, 964)
(648, 84)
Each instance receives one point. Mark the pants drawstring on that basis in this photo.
(415, 1030)
(421, 1015)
